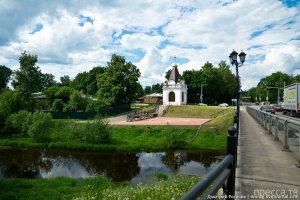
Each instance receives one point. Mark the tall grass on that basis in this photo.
(94, 188)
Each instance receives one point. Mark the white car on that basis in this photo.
(202, 104)
(223, 105)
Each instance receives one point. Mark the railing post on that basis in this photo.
(286, 146)
(270, 124)
(276, 129)
(231, 149)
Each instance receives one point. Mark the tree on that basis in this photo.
(5, 74)
(269, 85)
(65, 80)
(51, 93)
(29, 77)
(77, 102)
(91, 79)
(229, 83)
(118, 84)
(157, 88)
(13, 101)
(48, 81)
(80, 82)
(64, 93)
(147, 90)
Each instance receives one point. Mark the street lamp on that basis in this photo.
(234, 61)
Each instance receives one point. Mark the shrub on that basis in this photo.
(40, 127)
(94, 106)
(98, 131)
(19, 122)
(57, 105)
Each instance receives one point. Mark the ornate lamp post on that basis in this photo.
(234, 61)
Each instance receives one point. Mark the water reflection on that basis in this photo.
(120, 166)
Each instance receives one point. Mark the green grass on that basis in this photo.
(192, 111)
(213, 135)
(138, 138)
(94, 188)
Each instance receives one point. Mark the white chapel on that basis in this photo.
(174, 89)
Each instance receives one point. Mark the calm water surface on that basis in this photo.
(118, 166)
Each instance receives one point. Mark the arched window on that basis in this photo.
(182, 97)
(171, 97)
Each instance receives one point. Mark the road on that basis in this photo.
(262, 165)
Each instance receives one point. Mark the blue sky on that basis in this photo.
(74, 36)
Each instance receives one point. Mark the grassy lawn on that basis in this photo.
(95, 188)
(193, 111)
(138, 138)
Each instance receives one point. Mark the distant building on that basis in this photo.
(174, 89)
(151, 98)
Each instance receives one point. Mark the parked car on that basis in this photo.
(267, 108)
(277, 108)
(223, 105)
(202, 104)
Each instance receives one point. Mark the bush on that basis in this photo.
(58, 105)
(94, 106)
(19, 122)
(40, 127)
(96, 132)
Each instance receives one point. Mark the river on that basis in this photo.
(136, 167)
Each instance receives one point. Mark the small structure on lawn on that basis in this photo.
(151, 98)
(174, 89)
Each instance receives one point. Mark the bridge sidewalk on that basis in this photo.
(262, 165)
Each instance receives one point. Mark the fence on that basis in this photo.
(283, 128)
(89, 115)
(222, 176)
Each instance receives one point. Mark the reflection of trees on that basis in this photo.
(29, 163)
(22, 163)
(116, 166)
(175, 159)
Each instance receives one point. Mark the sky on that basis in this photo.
(72, 36)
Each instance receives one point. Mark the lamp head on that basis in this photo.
(242, 56)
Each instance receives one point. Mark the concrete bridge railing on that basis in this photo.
(283, 128)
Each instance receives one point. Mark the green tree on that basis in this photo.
(80, 82)
(269, 84)
(58, 105)
(51, 93)
(5, 74)
(157, 88)
(29, 77)
(91, 79)
(147, 90)
(64, 93)
(228, 81)
(65, 80)
(48, 81)
(77, 102)
(119, 83)
(13, 101)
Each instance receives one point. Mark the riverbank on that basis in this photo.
(96, 188)
(211, 136)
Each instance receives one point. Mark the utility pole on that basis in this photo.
(201, 94)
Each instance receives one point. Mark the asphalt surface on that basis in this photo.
(264, 170)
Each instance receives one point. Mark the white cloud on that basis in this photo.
(140, 40)
(197, 31)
